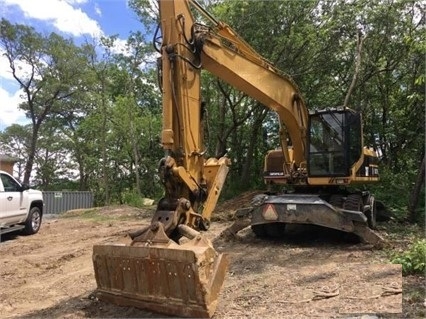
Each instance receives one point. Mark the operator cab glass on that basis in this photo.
(335, 142)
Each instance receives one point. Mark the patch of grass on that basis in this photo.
(95, 216)
(415, 296)
(396, 230)
(110, 213)
(398, 236)
(91, 214)
(133, 199)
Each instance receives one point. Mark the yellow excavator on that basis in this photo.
(169, 266)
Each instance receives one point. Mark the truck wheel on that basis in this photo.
(372, 214)
(33, 222)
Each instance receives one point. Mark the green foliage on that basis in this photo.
(394, 190)
(132, 198)
(413, 260)
(96, 115)
(146, 11)
(56, 73)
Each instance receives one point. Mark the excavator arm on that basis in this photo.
(187, 47)
(228, 57)
(160, 270)
(192, 183)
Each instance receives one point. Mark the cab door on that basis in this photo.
(11, 197)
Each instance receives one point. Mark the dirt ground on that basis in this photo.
(310, 273)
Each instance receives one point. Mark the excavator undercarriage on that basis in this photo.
(269, 214)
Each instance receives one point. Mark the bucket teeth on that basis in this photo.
(179, 280)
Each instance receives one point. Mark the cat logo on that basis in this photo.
(269, 213)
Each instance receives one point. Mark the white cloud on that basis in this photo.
(9, 111)
(98, 10)
(5, 71)
(76, 1)
(61, 14)
(10, 95)
(23, 70)
(120, 47)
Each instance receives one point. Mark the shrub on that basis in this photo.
(131, 198)
(412, 260)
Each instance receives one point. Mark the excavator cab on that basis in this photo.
(336, 148)
(335, 152)
(335, 142)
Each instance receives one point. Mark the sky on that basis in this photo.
(77, 19)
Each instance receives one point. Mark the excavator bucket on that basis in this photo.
(180, 280)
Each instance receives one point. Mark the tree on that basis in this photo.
(52, 158)
(138, 91)
(15, 141)
(416, 191)
(54, 70)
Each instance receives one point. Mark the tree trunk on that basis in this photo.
(104, 130)
(360, 41)
(31, 154)
(221, 134)
(415, 193)
(104, 153)
(134, 144)
(257, 129)
(80, 171)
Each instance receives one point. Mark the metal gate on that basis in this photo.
(58, 202)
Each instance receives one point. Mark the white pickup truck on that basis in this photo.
(21, 208)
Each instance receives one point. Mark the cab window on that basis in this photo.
(327, 145)
(9, 184)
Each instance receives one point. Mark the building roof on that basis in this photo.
(8, 159)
